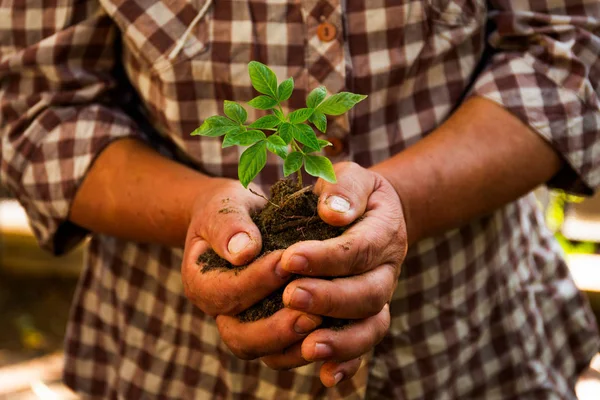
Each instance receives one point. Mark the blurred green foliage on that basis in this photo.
(555, 217)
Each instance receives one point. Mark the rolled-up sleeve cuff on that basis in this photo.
(568, 119)
(54, 171)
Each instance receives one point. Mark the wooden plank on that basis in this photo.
(585, 269)
(581, 227)
(582, 220)
(588, 385)
(19, 377)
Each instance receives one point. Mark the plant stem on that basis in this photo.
(299, 173)
(295, 146)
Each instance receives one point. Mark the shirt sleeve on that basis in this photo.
(57, 112)
(545, 69)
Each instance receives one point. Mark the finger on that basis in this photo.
(332, 373)
(378, 238)
(355, 297)
(343, 202)
(289, 358)
(250, 340)
(348, 343)
(226, 224)
(373, 241)
(230, 291)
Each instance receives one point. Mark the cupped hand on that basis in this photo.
(364, 263)
(221, 220)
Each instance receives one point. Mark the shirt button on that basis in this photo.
(335, 149)
(326, 32)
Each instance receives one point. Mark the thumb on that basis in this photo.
(227, 226)
(343, 202)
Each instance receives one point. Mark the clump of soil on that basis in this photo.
(289, 217)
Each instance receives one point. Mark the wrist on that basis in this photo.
(477, 161)
(411, 196)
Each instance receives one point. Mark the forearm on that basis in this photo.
(133, 192)
(480, 159)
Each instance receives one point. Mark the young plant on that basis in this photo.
(291, 137)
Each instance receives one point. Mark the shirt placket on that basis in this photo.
(325, 61)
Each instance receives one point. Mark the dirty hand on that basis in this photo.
(366, 262)
(221, 220)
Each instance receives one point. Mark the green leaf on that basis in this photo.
(252, 161)
(236, 112)
(216, 126)
(243, 139)
(276, 145)
(266, 122)
(263, 79)
(316, 97)
(340, 103)
(324, 143)
(263, 102)
(292, 163)
(285, 89)
(300, 115)
(279, 114)
(286, 132)
(305, 135)
(320, 167)
(319, 120)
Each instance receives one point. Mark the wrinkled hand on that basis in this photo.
(221, 220)
(366, 262)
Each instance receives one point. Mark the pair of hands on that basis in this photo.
(365, 263)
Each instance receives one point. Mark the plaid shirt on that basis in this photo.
(488, 310)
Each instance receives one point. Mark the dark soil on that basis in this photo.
(289, 217)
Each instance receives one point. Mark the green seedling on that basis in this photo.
(290, 136)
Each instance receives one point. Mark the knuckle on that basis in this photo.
(220, 302)
(345, 166)
(402, 243)
(366, 256)
(226, 304)
(382, 324)
(391, 281)
(390, 232)
(376, 298)
(356, 261)
(327, 305)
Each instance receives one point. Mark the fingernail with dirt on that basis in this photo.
(296, 263)
(280, 272)
(238, 242)
(305, 324)
(338, 204)
(321, 350)
(301, 299)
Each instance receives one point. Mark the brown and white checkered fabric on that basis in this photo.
(485, 311)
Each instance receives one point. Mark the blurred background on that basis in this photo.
(36, 290)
